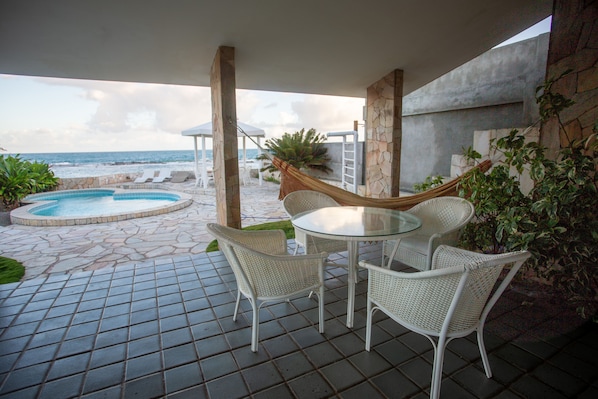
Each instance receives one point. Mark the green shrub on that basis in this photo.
(19, 178)
(557, 221)
(41, 177)
(428, 184)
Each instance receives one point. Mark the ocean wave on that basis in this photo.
(136, 163)
(90, 164)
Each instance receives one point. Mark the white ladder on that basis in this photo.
(349, 158)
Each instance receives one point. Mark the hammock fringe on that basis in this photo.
(293, 179)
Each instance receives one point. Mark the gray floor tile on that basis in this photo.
(151, 386)
(165, 329)
(230, 386)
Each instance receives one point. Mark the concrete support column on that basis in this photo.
(383, 136)
(225, 148)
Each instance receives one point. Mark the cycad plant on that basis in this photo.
(303, 150)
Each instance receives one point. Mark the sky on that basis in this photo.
(66, 115)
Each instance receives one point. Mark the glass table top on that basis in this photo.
(356, 221)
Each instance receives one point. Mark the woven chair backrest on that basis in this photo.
(306, 200)
(443, 214)
(226, 242)
(239, 248)
(481, 272)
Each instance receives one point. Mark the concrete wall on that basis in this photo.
(335, 153)
(494, 91)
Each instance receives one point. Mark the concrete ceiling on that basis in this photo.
(334, 47)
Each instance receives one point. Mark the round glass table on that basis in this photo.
(354, 224)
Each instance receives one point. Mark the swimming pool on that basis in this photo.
(89, 206)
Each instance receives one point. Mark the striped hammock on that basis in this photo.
(294, 179)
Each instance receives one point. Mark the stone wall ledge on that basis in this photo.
(75, 183)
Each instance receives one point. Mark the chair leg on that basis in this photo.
(368, 326)
(483, 354)
(392, 254)
(321, 310)
(437, 368)
(255, 327)
(237, 305)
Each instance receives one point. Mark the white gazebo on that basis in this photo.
(205, 131)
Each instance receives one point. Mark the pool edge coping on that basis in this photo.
(22, 216)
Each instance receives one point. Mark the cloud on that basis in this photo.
(117, 116)
(327, 114)
(172, 108)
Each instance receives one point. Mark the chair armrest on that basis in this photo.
(445, 256)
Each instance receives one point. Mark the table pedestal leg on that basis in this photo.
(353, 248)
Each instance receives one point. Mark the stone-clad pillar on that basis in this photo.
(383, 136)
(225, 148)
(573, 45)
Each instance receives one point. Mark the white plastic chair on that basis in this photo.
(450, 301)
(265, 272)
(442, 218)
(245, 175)
(307, 200)
(209, 176)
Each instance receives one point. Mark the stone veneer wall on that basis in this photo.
(77, 183)
(573, 45)
(383, 136)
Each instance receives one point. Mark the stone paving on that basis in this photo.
(57, 250)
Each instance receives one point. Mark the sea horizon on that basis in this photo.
(101, 163)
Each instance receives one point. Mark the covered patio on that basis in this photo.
(163, 327)
(377, 51)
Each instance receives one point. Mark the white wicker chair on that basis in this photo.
(442, 218)
(450, 301)
(307, 200)
(265, 272)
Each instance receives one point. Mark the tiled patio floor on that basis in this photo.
(164, 329)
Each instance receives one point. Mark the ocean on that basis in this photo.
(89, 164)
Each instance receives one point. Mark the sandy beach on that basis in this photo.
(57, 250)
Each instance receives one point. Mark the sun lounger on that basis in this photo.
(162, 175)
(179, 177)
(147, 175)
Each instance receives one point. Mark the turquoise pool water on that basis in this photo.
(86, 203)
(96, 205)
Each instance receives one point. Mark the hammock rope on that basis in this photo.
(298, 180)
